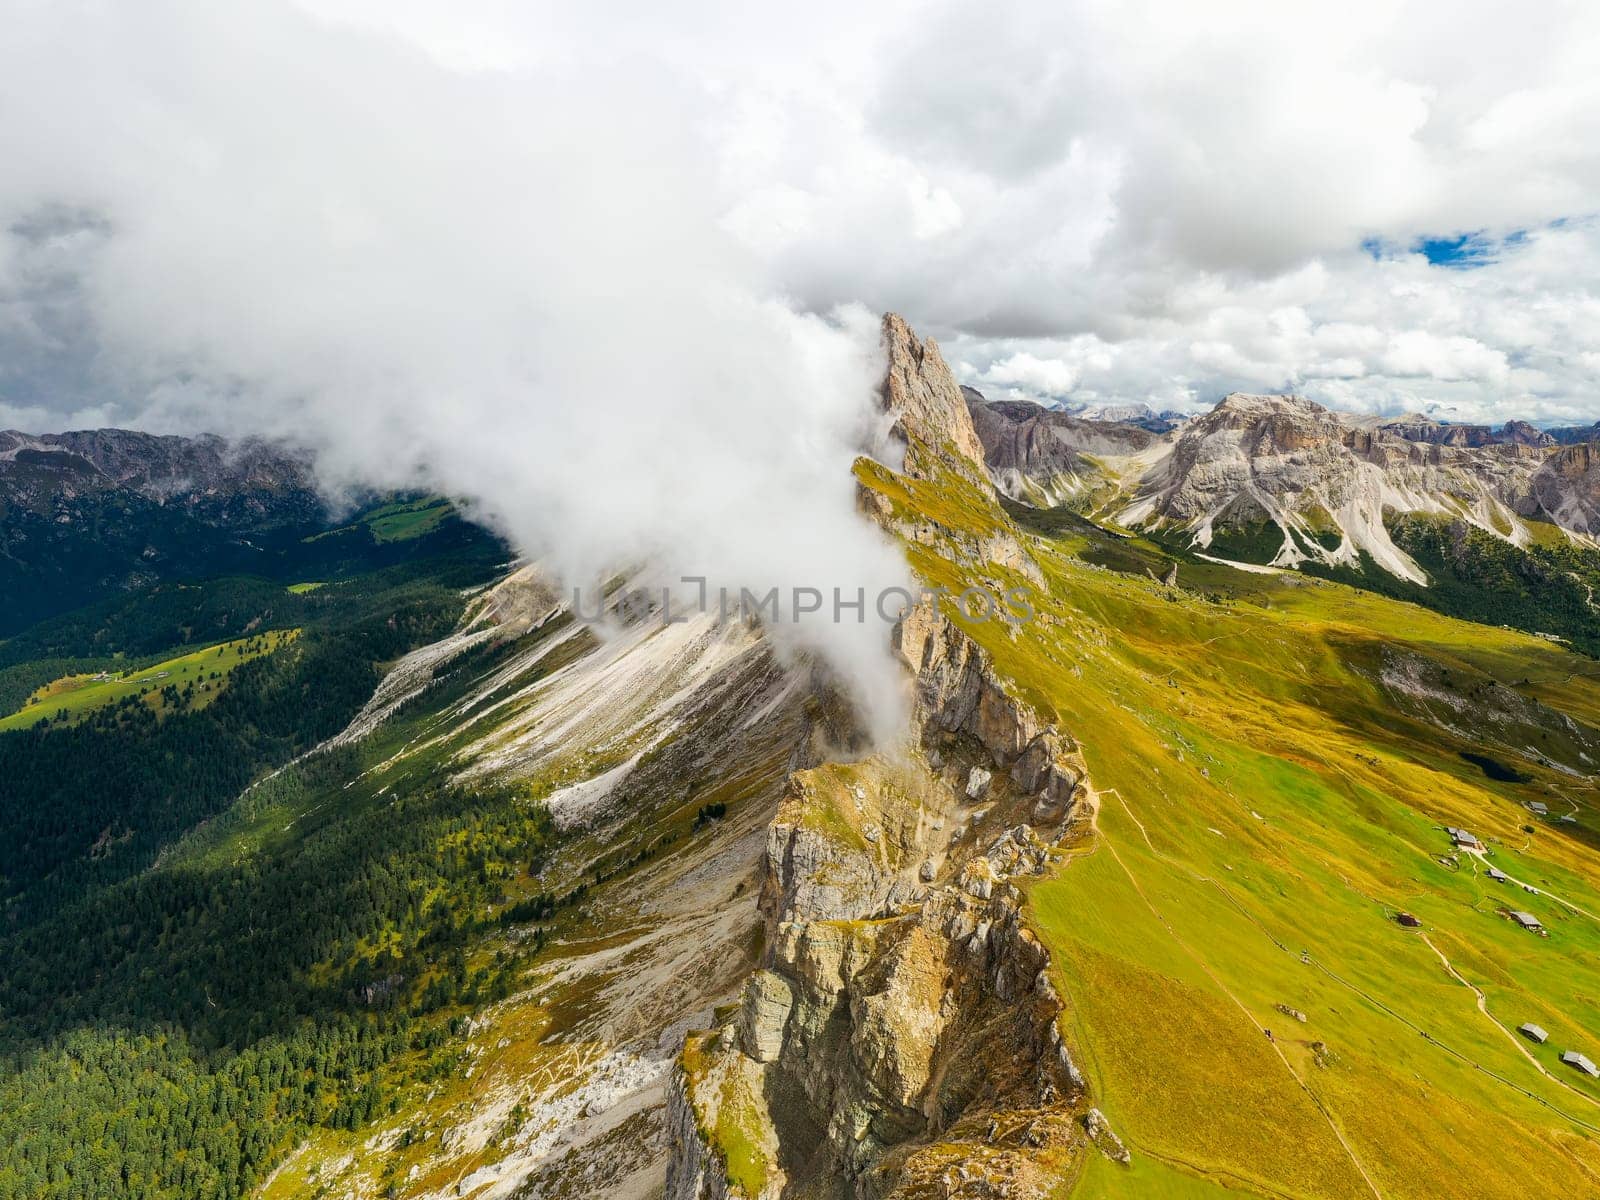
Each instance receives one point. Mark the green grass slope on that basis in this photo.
(397, 521)
(1276, 758)
(202, 673)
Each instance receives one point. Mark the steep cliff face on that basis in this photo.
(958, 693)
(900, 1037)
(1566, 487)
(1047, 457)
(922, 397)
(902, 1017)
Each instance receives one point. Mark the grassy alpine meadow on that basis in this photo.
(1276, 760)
(202, 674)
(397, 521)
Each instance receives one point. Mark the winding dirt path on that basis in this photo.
(1511, 1036)
(1539, 891)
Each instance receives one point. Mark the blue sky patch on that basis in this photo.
(1458, 252)
(1461, 253)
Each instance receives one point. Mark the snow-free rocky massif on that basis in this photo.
(829, 975)
(1298, 481)
(1115, 917)
(1118, 914)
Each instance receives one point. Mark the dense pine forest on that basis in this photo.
(182, 995)
(1546, 589)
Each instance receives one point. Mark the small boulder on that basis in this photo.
(1105, 1140)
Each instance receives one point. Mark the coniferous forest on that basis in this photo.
(181, 999)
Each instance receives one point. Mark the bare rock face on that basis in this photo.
(1272, 445)
(1320, 482)
(1105, 1140)
(1520, 433)
(1417, 428)
(1047, 457)
(1301, 483)
(764, 1017)
(929, 412)
(922, 396)
(957, 691)
(903, 1010)
(1566, 487)
(849, 840)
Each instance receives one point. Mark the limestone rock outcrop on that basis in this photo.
(924, 400)
(903, 1013)
(1566, 487)
(1320, 482)
(1044, 456)
(958, 692)
(1299, 482)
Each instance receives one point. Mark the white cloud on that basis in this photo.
(512, 285)
(934, 211)
(533, 250)
(1419, 353)
(1039, 376)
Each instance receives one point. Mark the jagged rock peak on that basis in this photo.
(1521, 433)
(922, 395)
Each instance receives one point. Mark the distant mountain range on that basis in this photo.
(1142, 415)
(1293, 482)
(220, 483)
(90, 514)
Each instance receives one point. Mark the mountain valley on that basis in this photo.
(453, 894)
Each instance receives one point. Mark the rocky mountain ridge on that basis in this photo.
(1319, 485)
(900, 1036)
(1418, 428)
(222, 482)
(1046, 454)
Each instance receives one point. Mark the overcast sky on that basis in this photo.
(1099, 203)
